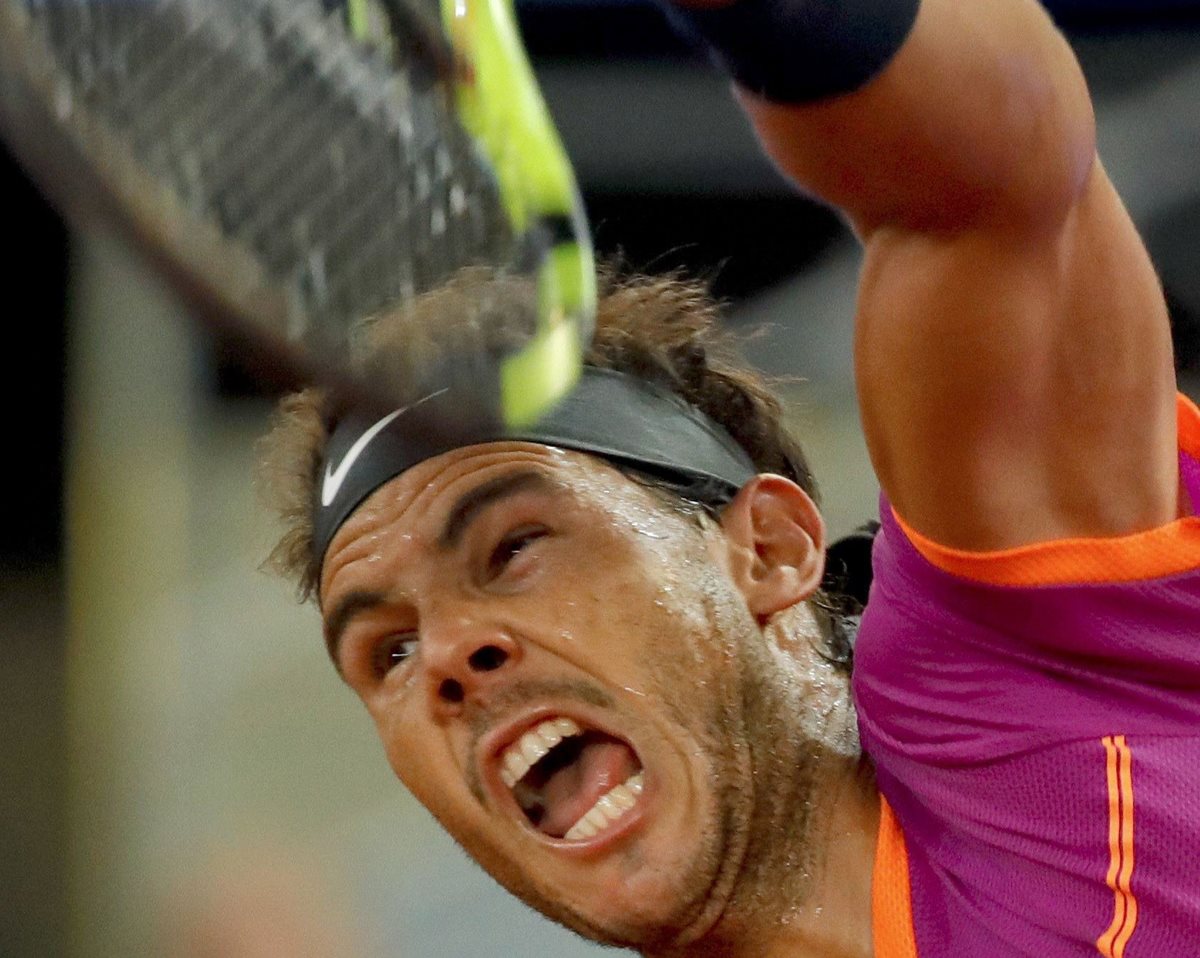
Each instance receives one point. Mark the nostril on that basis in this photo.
(487, 659)
(451, 691)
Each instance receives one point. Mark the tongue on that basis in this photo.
(570, 793)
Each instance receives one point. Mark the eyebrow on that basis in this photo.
(472, 503)
(465, 510)
(350, 605)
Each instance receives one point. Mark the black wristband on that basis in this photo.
(799, 51)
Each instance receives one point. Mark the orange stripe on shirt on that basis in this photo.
(1124, 879)
(1119, 773)
(1154, 554)
(891, 892)
(1189, 427)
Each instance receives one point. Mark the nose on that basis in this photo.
(463, 660)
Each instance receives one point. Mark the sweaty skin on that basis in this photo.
(688, 640)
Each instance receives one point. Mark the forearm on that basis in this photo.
(981, 116)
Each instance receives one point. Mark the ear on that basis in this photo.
(776, 541)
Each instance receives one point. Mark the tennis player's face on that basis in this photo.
(556, 665)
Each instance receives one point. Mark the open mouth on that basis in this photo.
(571, 783)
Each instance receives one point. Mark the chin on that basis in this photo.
(654, 889)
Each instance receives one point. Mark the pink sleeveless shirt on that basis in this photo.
(1034, 718)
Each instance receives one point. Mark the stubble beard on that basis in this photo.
(703, 870)
(756, 862)
(774, 794)
(706, 880)
(776, 734)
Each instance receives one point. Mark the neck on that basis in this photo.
(804, 887)
(834, 919)
(823, 908)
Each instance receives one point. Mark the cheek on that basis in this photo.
(409, 753)
(673, 589)
(432, 779)
(425, 760)
(658, 625)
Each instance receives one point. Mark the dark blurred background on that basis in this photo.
(672, 178)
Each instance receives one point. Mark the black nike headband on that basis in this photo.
(609, 414)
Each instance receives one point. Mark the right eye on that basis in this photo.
(512, 545)
(392, 651)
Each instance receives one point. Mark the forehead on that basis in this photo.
(417, 504)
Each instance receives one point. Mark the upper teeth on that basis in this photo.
(533, 746)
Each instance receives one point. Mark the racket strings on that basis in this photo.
(339, 167)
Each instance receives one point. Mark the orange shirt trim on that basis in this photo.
(891, 892)
(1155, 554)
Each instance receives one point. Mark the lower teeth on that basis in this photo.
(611, 806)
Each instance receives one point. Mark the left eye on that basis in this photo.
(512, 544)
(393, 651)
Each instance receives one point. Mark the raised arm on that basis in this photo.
(1012, 344)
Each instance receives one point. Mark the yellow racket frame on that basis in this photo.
(500, 106)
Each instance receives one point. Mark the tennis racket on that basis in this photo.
(296, 167)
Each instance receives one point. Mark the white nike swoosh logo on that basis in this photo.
(334, 479)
